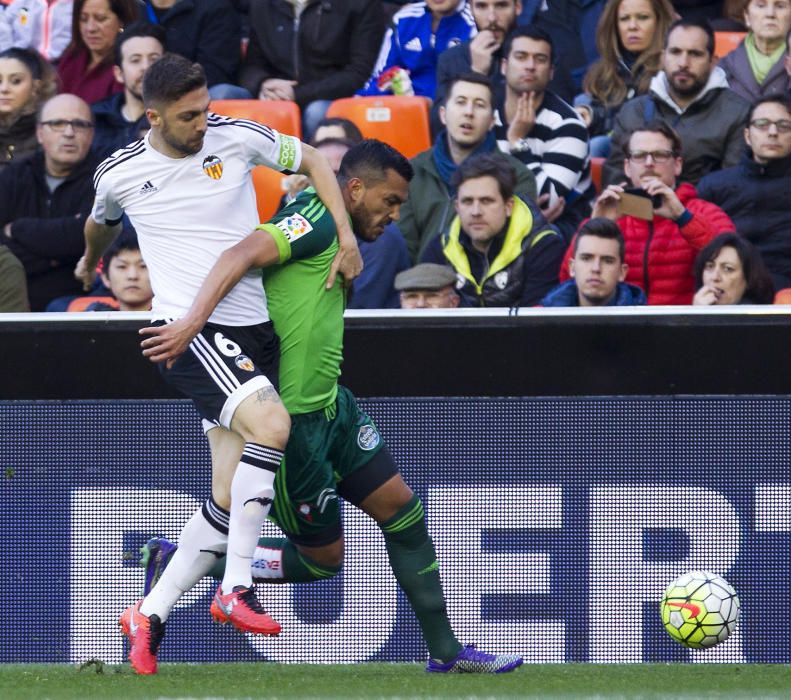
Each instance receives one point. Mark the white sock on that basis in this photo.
(252, 491)
(203, 539)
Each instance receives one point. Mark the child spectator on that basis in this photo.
(26, 80)
(419, 33)
(125, 274)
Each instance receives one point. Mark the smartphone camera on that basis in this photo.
(656, 199)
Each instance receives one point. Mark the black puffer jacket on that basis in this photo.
(329, 50)
(46, 228)
(755, 196)
(208, 32)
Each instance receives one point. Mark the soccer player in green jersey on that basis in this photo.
(334, 448)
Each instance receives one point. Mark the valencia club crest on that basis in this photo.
(212, 166)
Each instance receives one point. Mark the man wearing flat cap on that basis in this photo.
(427, 286)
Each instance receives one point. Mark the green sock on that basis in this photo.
(414, 563)
(281, 562)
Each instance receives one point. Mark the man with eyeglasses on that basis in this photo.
(690, 92)
(45, 199)
(669, 225)
(755, 192)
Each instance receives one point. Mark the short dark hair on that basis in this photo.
(126, 241)
(692, 23)
(471, 77)
(370, 160)
(135, 30)
(760, 288)
(170, 78)
(529, 31)
(656, 126)
(781, 98)
(601, 227)
(494, 165)
(332, 141)
(350, 129)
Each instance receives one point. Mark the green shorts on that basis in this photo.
(325, 448)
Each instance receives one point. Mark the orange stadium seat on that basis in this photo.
(725, 42)
(783, 296)
(281, 115)
(398, 120)
(596, 167)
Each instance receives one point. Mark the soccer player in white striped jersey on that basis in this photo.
(187, 190)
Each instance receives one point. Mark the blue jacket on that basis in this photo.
(112, 131)
(208, 32)
(410, 44)
(566, 295)
(755, 196)
(383, 259)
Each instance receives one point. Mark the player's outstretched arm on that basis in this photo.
(348, 260)
(98, 238)
(166, 343)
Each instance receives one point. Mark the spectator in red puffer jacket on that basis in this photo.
(662, 242)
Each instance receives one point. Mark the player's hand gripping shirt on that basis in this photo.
(187, 211)
(308, 319)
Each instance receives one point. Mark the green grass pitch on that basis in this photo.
(402, 681)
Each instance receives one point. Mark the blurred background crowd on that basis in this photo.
(566, 152)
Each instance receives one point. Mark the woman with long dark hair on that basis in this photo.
(629, 37)
(86, 69)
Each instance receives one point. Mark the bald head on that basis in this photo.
(65, 132)
(58, 105)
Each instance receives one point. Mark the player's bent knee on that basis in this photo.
(264, 423)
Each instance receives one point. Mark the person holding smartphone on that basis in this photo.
(664, 222)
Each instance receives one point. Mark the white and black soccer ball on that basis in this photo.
(700, 609)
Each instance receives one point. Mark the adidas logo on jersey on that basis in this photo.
(413, 44)
(148, 188)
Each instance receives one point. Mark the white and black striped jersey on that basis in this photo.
(557, 150)
(187, 211)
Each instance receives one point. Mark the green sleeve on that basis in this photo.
(303, 228)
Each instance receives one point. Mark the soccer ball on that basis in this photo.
(700, 609)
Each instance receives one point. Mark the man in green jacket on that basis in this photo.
(468, 116)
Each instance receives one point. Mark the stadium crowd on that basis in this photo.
(582, 152)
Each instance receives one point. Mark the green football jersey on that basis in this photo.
(307, 318)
